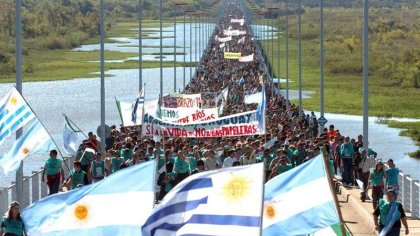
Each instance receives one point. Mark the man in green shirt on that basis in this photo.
(181, 167)
(77, 176)
(55, 174)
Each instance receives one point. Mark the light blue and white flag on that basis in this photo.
(139, 100)
(262, 106)
(117, 205)
(253, 98)
(70, 137)
(299, 201)
(34, 140)
(14, 113)
(221, 202)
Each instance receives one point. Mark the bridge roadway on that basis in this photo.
(357, 215)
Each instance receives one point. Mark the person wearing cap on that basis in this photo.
(53, 168)
(98, 170)
(11, 222)
(390, 214)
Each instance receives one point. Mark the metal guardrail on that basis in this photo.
(409, 194)
(33, 188)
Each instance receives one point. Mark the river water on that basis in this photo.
(80, 100)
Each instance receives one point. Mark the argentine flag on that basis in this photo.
(139, 102)
(227, 201)
(299, 201)
(117, 205)
(34, 140)
(14, 113)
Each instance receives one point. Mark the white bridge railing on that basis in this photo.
(409, 194)
(33, 189)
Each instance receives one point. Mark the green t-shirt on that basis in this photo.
(116, 163)
(53, 166)
(192, 163)
(12, 226)
(376, 178)
(87, 158)
(127, 154)
(181, 166)
(283, 168)
(78, 178)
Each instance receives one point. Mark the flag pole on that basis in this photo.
(119, 111)
(18, 33)
(74, 124)
(55, 143)
(263, 189)
(326, 167)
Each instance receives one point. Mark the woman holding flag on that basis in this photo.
(390, 214)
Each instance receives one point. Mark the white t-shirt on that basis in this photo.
(228, 162)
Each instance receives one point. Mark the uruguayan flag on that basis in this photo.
(139, 100)
(117, 205)
(14, 113)
(34, 140)
(221, 202)
(299, 201)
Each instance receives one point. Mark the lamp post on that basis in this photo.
(365, 75)
(189, 12)
(321, 121)
(161, 61)
(287, 55)
(102, 42)
(174, 47)
(175, 8)
(140, 48)
(272, 9)
(300, 56)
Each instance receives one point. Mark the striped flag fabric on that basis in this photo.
(216, 202)
(70, 137)
(14, 113)
(117, 205)
(139, 100)
(34, 140)
(299, 201)
(262, 106)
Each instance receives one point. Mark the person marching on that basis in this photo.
(11, 223)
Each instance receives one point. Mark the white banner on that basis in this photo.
(240, 124)
(208, 100)
(246, 58)
(224, 40)
(233, 32)
(240, 21)
(188, 115)
(176, 100)
(253, 98)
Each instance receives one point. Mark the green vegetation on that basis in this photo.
(65, 24)
(410, 129)
(394, 61)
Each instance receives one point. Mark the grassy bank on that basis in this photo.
(394, 63)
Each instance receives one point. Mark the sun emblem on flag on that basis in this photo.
(13, 101)
(269, 210)
(236, 188)
(25, 150)
(81, 214)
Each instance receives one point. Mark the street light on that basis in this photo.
(140, 48)
(189, 12)
(271, 9)
(300, 56)
(161, 44)
(365, 75)
(175, 7)
(287, 55)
